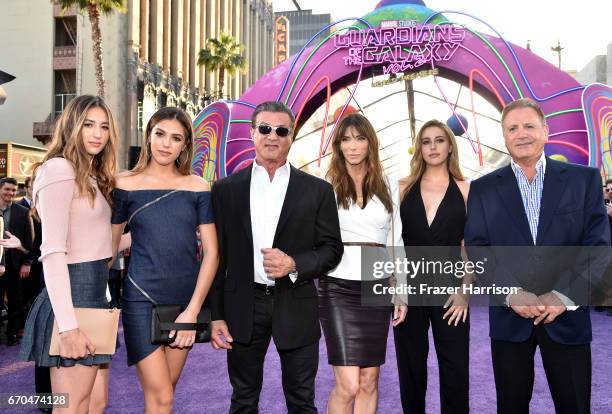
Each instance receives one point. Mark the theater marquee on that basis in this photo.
(281, 36)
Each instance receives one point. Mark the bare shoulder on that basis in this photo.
(196, 183)
(127, 180)
(464, 187)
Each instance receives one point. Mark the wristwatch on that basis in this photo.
(293, 275)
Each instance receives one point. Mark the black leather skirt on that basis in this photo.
(355, 334)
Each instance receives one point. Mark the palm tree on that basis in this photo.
(94, 9)
(223, 54)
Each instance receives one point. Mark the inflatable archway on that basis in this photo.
(407, 37)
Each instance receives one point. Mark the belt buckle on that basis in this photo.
(268, 290)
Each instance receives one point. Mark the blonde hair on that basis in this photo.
(183, 162)
(418, 165)
(374, 182)
(67, 143)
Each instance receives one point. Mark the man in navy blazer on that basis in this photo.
(537, 201)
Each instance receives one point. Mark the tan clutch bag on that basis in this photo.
(100, 326)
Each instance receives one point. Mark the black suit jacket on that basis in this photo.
(35, 252)
(308, 230)
(21, 227)
(24, 203)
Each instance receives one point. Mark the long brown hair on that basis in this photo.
(418, 165)
(373, 182)
(183, 162)
(68, 144)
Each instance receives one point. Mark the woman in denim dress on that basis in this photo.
(164, 206)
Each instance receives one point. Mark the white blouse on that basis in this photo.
(369, 225)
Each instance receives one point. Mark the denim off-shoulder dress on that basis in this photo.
(163, 256)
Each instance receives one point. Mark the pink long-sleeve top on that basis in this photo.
(73, 231)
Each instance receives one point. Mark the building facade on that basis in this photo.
(303, 25)
(150, 58)
(599, 69)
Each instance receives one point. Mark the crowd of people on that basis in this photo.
(251, 248)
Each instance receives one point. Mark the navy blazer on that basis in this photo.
(572, 213)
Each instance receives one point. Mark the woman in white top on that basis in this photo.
(356, 333)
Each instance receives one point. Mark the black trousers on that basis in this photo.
(452, 350)
(12, 285)
(567, 368)
(245, 366)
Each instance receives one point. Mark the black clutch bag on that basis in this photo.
(162, 322)
(163, 317)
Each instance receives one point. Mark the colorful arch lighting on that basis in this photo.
(299, 114)
(210, 130)
(325, 66)
(597, 104)
(569, 145)
(514, 56)
(497, 95)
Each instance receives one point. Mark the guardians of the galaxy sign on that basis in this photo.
(400, 45)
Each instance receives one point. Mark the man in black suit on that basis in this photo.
(540, 203)
(17, 261)
(278, 230)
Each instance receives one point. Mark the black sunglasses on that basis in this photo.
(608, 190)
(281, 131)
